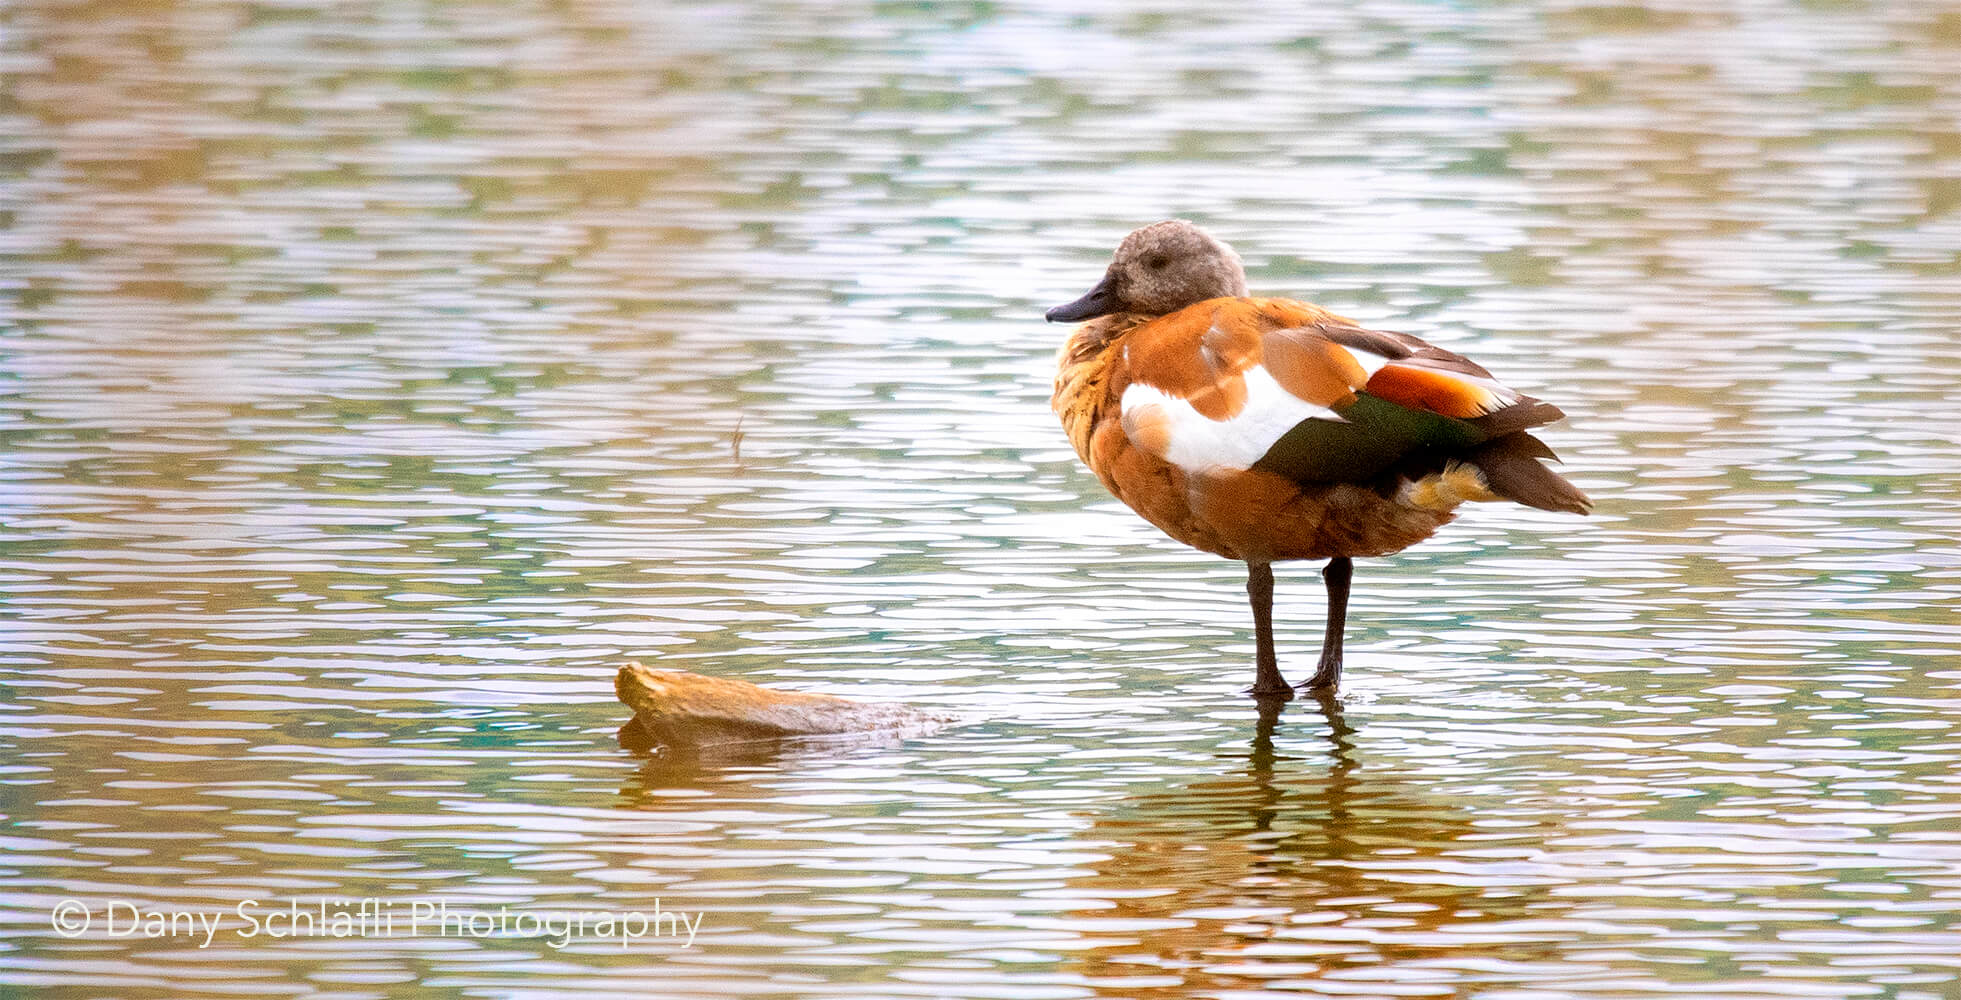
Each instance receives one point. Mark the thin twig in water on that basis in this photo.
(735, 440)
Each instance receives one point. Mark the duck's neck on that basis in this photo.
(1092, 337)
(1082, 393)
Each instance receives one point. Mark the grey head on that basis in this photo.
(1160, 269)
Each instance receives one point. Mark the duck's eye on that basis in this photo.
(1156, 263)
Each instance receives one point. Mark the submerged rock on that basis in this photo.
(679, 709)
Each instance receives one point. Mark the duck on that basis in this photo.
(1270, 429)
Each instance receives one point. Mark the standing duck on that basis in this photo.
(1269, 429)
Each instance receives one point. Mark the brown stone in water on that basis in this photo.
(677, 708)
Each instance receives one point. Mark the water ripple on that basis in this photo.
(374, 378)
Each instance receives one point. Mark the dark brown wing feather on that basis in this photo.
(1401, 347)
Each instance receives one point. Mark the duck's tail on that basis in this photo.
(1513, 470)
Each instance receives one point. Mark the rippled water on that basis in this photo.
(378, 376)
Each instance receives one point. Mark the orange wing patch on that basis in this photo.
(1198, 355)
(1310, 367)
(1438, 392)
(1222, 399)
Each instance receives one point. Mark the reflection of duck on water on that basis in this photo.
(1289, 862)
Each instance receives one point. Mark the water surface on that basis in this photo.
(378, 376)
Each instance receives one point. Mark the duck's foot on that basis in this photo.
(1325, 682)
(1321, 689)
(1267, 682)
(1327, 673)
(1326, 679)
(1282, 691)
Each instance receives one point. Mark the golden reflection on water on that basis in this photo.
(368, 380)
(1239, 880)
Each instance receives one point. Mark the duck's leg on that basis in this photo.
(1267, 682)
(1328, 673)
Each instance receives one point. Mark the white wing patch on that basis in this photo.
(1170, 428)
(1370, 362)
